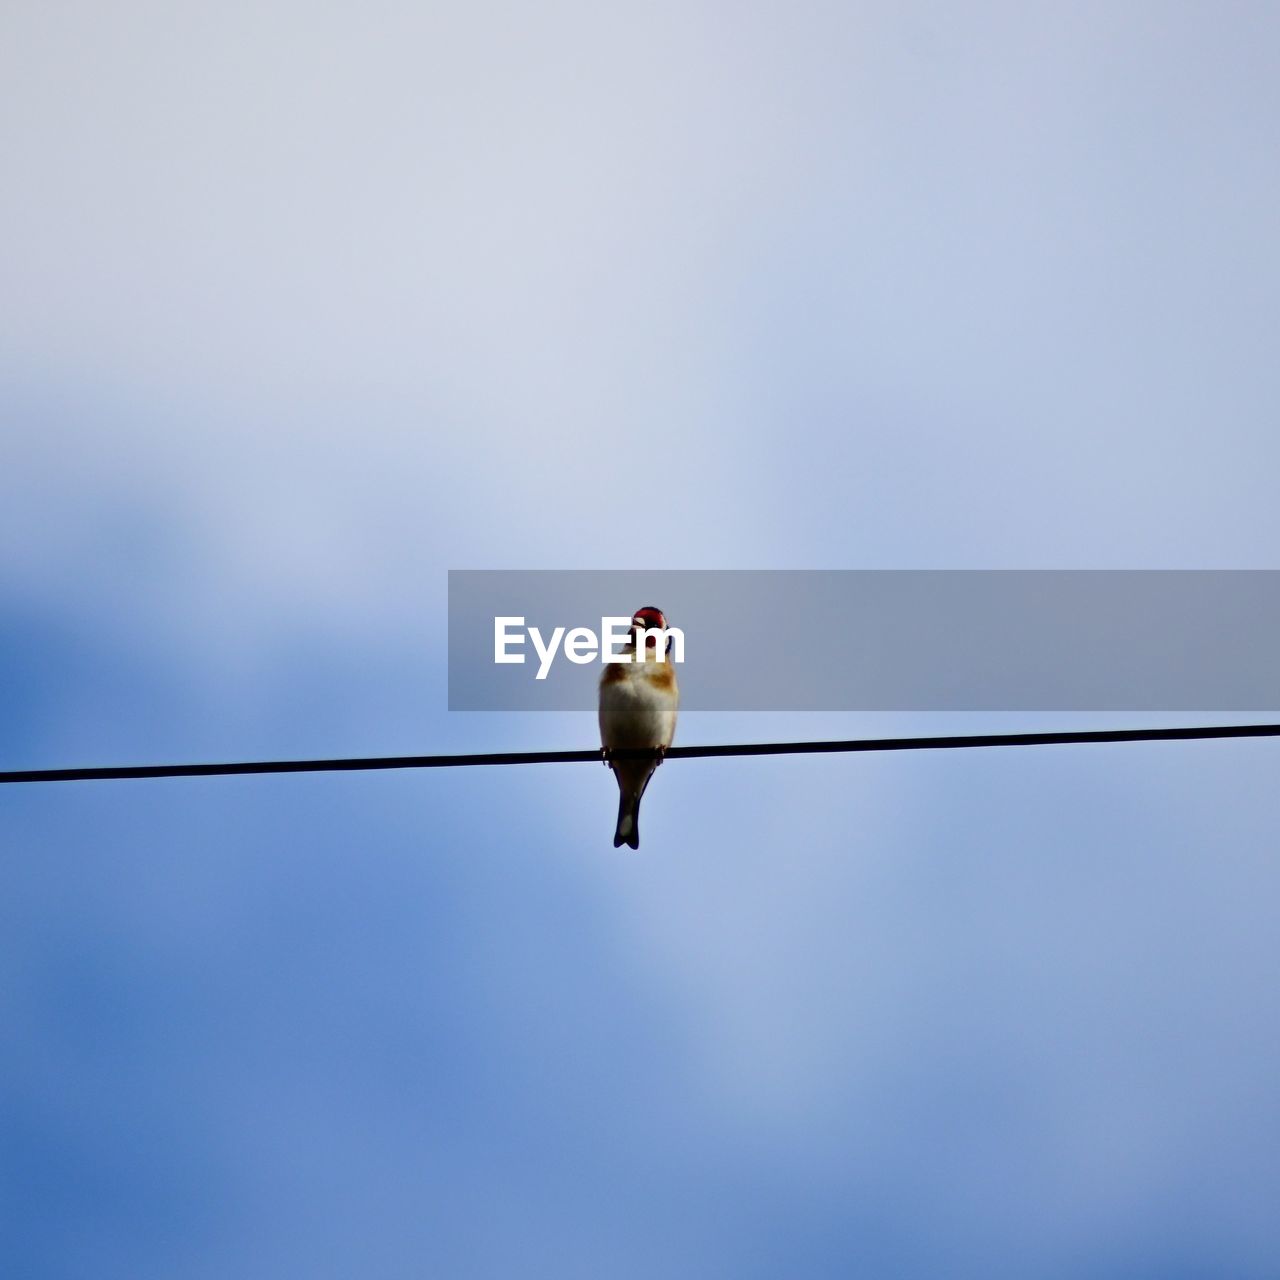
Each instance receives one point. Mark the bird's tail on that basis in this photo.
(628, 831)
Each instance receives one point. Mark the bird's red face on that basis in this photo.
(650, 619)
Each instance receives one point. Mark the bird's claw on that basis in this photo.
(606, 756)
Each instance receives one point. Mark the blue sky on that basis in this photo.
(306, 306)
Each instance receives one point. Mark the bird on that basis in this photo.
(638, 701)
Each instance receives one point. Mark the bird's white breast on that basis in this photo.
(636, 710)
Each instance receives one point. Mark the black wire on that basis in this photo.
(673, 753)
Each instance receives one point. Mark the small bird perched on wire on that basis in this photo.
(638, 701)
